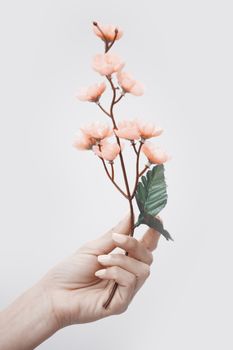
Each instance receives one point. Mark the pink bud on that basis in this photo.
(107, 151)
(107, 32)
(154, 154)
(83, 142)
(128, 130)
(148, 130)
(97, 130)
(129, 84)
(92, 93)
(107, 63)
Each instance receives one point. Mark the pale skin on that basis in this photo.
(75, 290)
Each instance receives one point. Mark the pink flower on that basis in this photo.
(107, 32)
(107, 63)
(148, 130)
(97, 130)
(128, 130)
(129, 84)
(92, 93)
(83, 142)
(106, 150)
(154, 154)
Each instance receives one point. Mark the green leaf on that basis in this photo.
(151, 197)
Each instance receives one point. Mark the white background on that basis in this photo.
(52, 198)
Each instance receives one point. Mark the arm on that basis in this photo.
(75, 290)
(28, 321)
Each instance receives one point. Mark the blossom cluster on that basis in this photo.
(98, 136)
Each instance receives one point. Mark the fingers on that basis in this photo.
(105, 244)
(135, 249)
(139, 269)
(130, 264)
(125, 279)
(150, 239)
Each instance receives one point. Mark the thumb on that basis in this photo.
(105, 244)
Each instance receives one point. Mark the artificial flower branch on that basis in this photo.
(151, 193)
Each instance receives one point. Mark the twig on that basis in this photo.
(143, 171)
(134, 147)
(112, 179)
(114, 39)
(112, 168)
(137, 170)
(108, 114)
(119, 98)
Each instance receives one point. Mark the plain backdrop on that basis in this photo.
(53, 198)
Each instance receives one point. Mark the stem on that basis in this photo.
(112, 168)
(108, 114)
(134, 147)
(114, 39)
(112, 179)
(113, 291)
(119, 98)
(137, 170)
(144, 170)
(104, 37)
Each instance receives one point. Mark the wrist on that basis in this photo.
(28, 321)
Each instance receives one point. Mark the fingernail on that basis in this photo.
(103, 258)
(119, 238)
(100, 272)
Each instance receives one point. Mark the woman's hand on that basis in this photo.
(75, 290)
(79, 286)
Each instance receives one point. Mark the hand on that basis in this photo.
(78, 287)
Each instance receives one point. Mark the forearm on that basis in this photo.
(28, 321)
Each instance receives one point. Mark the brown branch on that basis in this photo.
(137, 170)
(112, 179)
(143, 171)
(104, 37)
(134, 147)
(102, 109)
(114, 39)
(119, 98)
(112, 168)
(113, 291)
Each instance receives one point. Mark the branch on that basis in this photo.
(143, 171)
(112, 168)
(112, 179)
(114, 39)
(134, 147)
(137, 170)
(108, 114)
(119, 98)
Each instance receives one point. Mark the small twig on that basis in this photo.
(134, 147)
(104, 110)
(143, 171)
(119, 98)
(112, 180)
(114, 39)
(112, 168)
(104, 37)
(137, 170)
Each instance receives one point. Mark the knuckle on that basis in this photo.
(132, 243)
(117, 258)
(146, 272)
(132, 280)
(115, 271)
